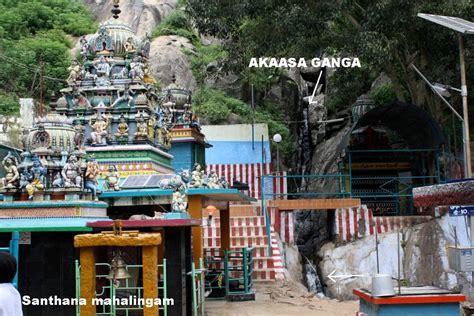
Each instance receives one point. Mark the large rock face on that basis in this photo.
(423, 258)
(142, 15)
(167, 59)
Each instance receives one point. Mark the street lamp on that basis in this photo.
(463, 27)
(442, 91)
(277, 139)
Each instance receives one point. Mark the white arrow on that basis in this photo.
(342, 276)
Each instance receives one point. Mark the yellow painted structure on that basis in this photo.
(87, 244)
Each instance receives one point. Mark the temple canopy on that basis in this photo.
(411, 123)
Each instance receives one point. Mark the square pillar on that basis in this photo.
(178, 264)
(88, 279)
(225, 228)
(195, 211)
(150, 278)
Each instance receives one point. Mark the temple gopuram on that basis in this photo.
(105, 200)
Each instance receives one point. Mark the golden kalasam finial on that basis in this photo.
(116, 11)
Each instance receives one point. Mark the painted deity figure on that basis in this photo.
(37, 182)
(145, 49)
(197, 177)
(112, 178)
(74, 71)
(71, 173)
(179, 202)
(213, 181)
(79, 134)
(81, 100)
(142, 127)
(84, 47)
(11, 171)
(122, 128)
(25, 178)
(103, 67)
(130, 46)
(127, 96)
(99, 129)
(90, 178)
(136, 69)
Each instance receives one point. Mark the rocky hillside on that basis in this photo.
(142, 15)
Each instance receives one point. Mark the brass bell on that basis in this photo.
(118, 270)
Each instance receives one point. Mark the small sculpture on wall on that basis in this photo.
(90, 178)
(38, 174)
(74, 71)
(142, 128)
(179, 201)
(71, 173)
(84, 47)
(136, 69)
(79, 135)
(112, 179)
(213, 181)
(197, 177)
(130, 46)
(99, 127)
(127, 96)
(10, 164)
(122, 129)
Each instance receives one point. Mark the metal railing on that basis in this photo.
(109, 291)
(230, 272)
(198, 287)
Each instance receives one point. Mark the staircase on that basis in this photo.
(247, 231)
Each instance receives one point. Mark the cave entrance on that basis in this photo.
(391, 149)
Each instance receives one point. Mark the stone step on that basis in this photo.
(237, 231)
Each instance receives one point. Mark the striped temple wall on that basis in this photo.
(248, 231)
(349, 224)
(251, 174)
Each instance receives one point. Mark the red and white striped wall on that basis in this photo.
(251, 174)
(354, 223)
(247, 231)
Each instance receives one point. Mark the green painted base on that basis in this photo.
(177, 215)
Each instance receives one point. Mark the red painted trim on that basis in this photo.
(371, 224)
(339, 220)
(147, 223)
(348, 224)
(413, 299)
(356, 224)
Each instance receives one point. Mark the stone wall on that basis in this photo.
(423, 259)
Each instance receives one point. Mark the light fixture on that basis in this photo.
(277, 138)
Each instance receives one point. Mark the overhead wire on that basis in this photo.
(26, 67)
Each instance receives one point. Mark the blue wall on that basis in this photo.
(186, 154)
(236, 152)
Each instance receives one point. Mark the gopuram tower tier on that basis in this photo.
(111, 97)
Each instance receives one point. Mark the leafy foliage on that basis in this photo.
(386, 35)
(216, 106)
(9, 104)
(202, 57)
(177, 23)
(33, 35)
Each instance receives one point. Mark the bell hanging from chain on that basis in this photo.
(118, 269)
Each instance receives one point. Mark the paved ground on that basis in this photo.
(282, 298)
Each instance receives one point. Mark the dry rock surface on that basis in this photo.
(283, 298)
(167, 59)
(142, 15)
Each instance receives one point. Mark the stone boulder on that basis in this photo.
(167, 59)
(142, 15)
